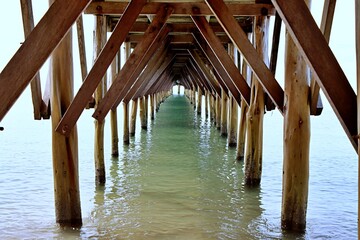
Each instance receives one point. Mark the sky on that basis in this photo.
(342, 40)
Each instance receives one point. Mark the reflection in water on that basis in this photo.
(177, 180)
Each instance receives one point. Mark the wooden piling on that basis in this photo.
(143, 119)
(207, 95)
(152, 112)
(218, 110)
(296, 139)
(233, 108)
(100, 40)
(113, 117)
(240, 150)
(255, 114)
(224, 114)
(126, 129)
(134, 105)
(64, 149)
(199, 101)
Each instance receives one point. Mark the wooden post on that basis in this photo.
(152, 112)
(146, 109)
(100, 40)
(142, 112)
(207, 95)
(218, 110)
(126, 133)
(179, 89)
(133, 116)
(255, 114)
(35, 85)
(224, 114)
(242, 124)
(113, 117)
(296, 139)
(233, 108)
(64, 149)
(199, 101)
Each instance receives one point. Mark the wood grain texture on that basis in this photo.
(332, 80)
(100, 66)
(36, 48)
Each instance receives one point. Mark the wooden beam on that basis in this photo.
(81, 44)
(325, 27)
(223, 78)
(100, 66)
(153, 65)
(141, 55)
(223, 57)
(143, 90)
(37, 46)
(182, 9)
(331, 78)
(242, 43)
(35, 85)
(205, 70)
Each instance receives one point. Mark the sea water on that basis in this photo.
(177, 180)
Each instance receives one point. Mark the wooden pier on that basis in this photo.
(217, 50)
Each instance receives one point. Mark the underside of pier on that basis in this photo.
(217, 50)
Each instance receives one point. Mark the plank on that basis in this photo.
(101, 64)
(81, 44)
(153, 65)
(182, 9)
(115, 94)
(331, 78)
(223, 78)
(145, 88)
(197, 59)
(37, 46)
(242, 43)
(35, 85)
(224, 58)
(325, 27)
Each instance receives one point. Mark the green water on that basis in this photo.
(179, 182)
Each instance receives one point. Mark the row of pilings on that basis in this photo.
(245, 134)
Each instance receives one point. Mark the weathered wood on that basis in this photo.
(64, 148)
(240, 150)
(185, 9)
(233, 108)
(255, 114)
(142, 112)
(325, 27)
(113, 116)
(205, 70)
(224, 114)
(240, 40)
(38, 46)
(332, 80)
(99, 42)
(100, 66)
(115, 95)
(81, 44)
(296, 139)
(222, 56)
(199, 101)
(273, 57)
(126, 124)
(152, 110)
(35, 85)
(220, 73)
(207, 95)
(134, 106)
